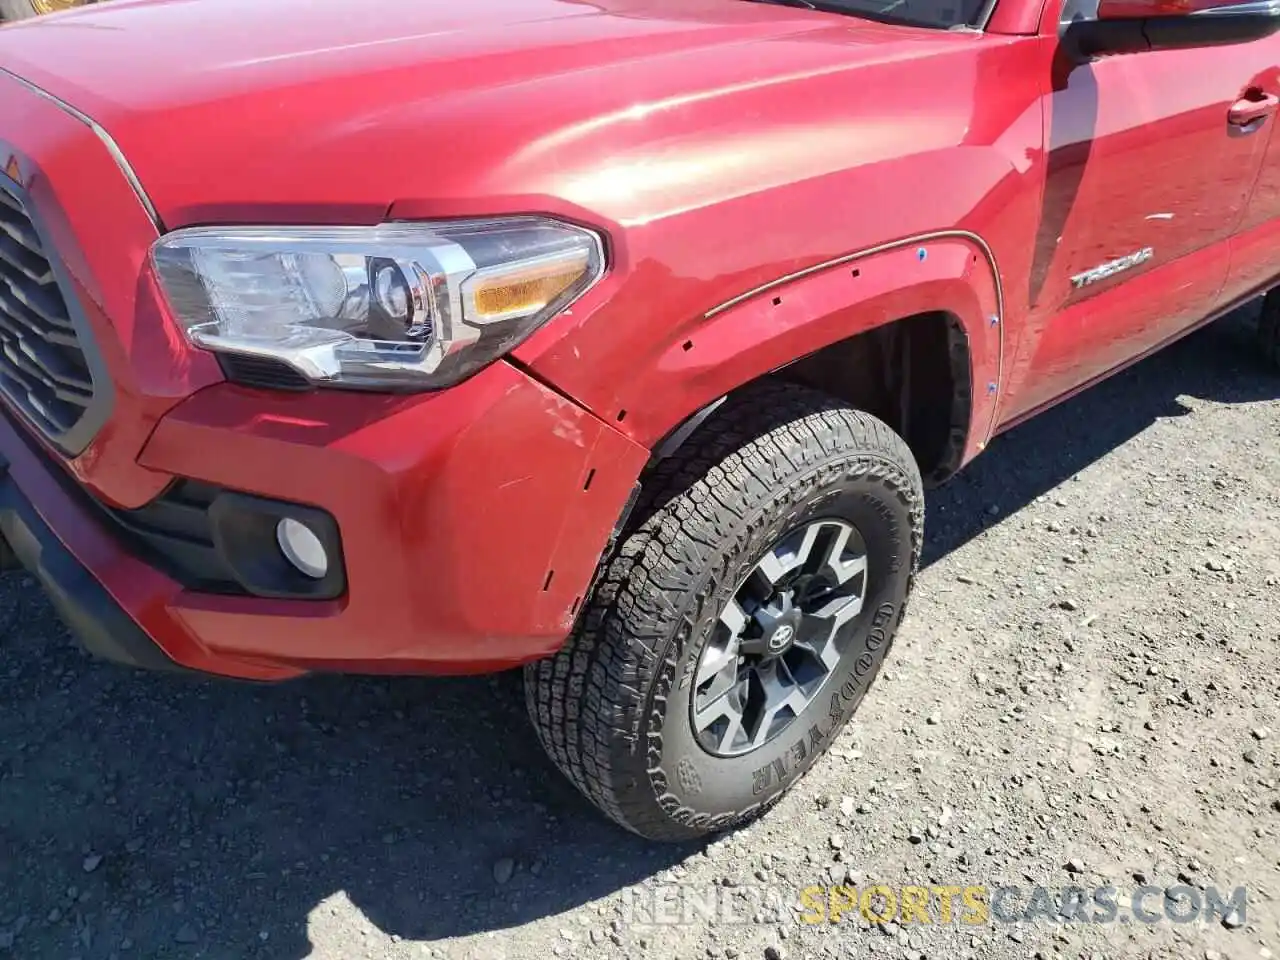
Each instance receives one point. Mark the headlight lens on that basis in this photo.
(398, 306)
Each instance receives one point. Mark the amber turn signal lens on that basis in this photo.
(527, 289)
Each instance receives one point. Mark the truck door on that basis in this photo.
(1152, 157)
(1255, 250)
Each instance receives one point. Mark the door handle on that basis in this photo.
(1248, 113)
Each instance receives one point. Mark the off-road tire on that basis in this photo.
(612, 707)
(1269, 329)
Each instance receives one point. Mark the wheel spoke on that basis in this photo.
(794, 703)
(779, 695)
(825, 625)
(833, 562)
(784, 667)
(734, 617)
(773, 568)
(716, 660)
(839, 610)
(824, 650)
(731, 731)
(804, 553)
(789, 556)
(714, 706)
(724, 705)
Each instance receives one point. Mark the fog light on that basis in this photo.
(302, 548)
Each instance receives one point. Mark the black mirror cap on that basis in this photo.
(1084, 40)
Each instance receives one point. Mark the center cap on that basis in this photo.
(781, 633)
(781, 638)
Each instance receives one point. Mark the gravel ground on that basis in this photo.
(1085, 692)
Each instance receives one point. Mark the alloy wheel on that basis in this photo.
(779, 637)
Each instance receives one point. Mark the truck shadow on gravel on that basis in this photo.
(1219, 363)
(179, 817)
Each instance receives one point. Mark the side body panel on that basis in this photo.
(1142, 163)
(952, 144)
(719, 145)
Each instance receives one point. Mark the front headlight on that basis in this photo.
(397, 306)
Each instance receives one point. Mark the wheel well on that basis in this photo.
(912, 373)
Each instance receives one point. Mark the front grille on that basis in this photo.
(43, 370)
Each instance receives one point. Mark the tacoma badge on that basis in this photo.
(1112, 267)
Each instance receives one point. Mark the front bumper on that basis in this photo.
(88, 610)
(471, 520)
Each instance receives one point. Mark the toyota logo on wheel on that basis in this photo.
(781, 637)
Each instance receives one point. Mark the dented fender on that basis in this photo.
(770, 326)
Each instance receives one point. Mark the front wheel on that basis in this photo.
(740, 622)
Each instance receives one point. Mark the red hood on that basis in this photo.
(252, 109)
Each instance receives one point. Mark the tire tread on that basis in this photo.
(585, 702)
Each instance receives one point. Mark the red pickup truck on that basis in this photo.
(614, 340)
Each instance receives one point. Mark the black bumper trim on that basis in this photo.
(89, 611)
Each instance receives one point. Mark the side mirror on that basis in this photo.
(1134, 26)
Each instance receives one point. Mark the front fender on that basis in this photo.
(766, 328)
